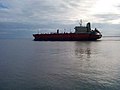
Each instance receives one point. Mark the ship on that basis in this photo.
(81, 33)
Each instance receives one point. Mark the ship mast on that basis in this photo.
(80, 22)
(38, 31)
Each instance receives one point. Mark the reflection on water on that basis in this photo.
(91, 65)
(83, 52)
(98, 63)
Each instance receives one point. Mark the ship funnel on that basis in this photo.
(88, 26)
(57, 31)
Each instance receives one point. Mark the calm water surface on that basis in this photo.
(35, 65)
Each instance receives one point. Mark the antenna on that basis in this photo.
(70, 30)
(64, 30)
(80, 22)
(38, 31)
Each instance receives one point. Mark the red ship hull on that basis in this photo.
(66, 37)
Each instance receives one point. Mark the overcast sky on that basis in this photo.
(53, 14)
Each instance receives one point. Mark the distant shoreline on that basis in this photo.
(111, 36)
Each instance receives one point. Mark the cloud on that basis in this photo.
(3, 6)
(107, 28)
(109, 18)
(41, 10)
(52, 14)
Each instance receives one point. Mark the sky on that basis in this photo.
(18, 17)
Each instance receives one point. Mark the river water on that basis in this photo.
(76, 65)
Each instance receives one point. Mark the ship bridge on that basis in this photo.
(83, 29)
